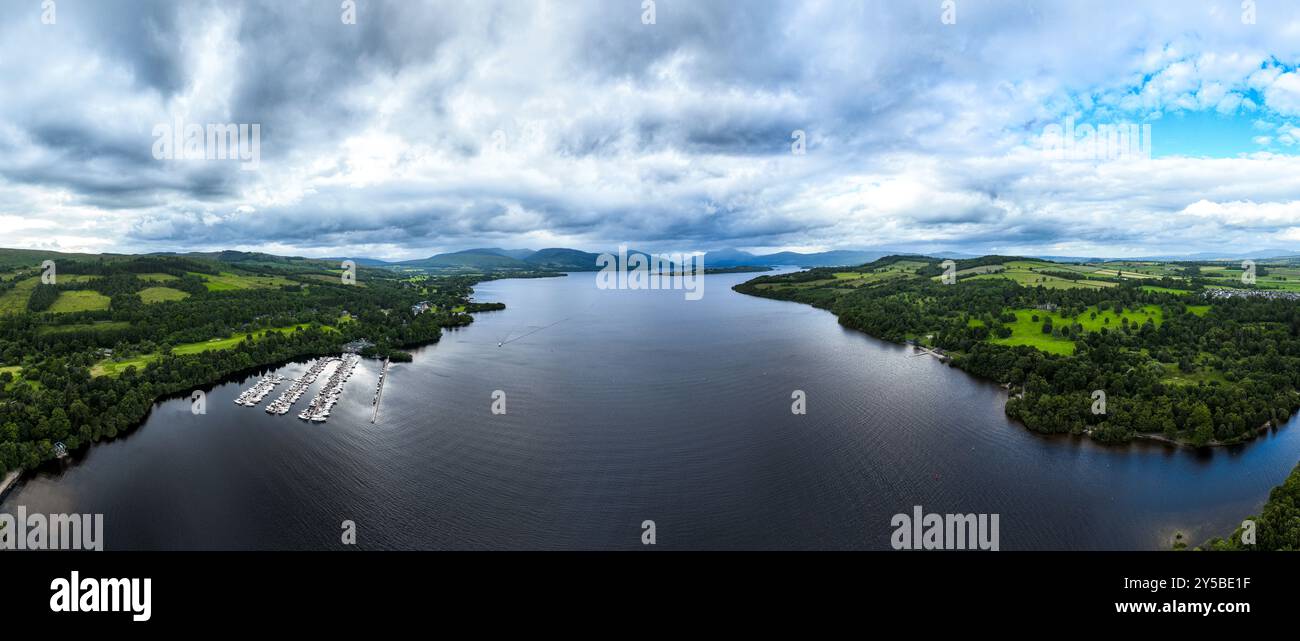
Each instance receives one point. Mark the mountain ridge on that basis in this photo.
(569, 259)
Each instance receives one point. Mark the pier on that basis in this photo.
(379, 390)
(931, 352)
(254, 395)
(318, 411)
(281, 405)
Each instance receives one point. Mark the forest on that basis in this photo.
(1188, 371)
(92, 372)
(1276, 528)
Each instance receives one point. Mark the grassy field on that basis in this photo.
(82, 300)
(1040, 341)
(18, 378)
(1027, 331)
(1272, 277)
(110, 367)
(1164, 290)
(162, 294)
(1029, 273)
(227, 281)
(14, 301)
(333, 280)
(1124, 273)
(846, 280)
(13, 369)
(1028, 278)
(81, 327)
(1138, 269)
(807, 285)
(156, 278)
(859, 279)
(74, 278)
(982, 269)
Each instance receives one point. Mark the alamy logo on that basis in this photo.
(645, 271)
(1117, 141)
(921, 531)
(75, 594)
(217, 141)
(51, 531)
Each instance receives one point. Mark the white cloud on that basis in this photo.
(1283, 96)
(475, 122)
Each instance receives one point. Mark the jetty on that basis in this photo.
(318, 411)
(281, 405)
(254, 395)
(924, 351)
(379, 390)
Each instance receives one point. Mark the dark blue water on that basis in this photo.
(626, 406)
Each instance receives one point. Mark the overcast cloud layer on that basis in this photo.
(434, 126)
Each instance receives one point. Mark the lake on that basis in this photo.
(627, 406)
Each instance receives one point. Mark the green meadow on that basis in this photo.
(14, 301)
(1027, 331)
(83, 327)
(226, 281)
(161, 294)
(82, 300)
(111, 367)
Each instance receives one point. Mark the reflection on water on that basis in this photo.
(624, 406)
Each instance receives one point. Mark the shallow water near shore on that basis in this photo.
(626, 406)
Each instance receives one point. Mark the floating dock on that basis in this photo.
(318, 411)
(379, 390)
(281, 405)
(254, 395)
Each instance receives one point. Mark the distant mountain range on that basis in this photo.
(570, 260)
(565, 259)
(556, 259)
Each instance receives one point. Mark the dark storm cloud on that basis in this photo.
(140, 34)
(431, 124)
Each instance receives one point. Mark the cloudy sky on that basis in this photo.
(435, 126)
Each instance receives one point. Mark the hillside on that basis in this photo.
(1183, 352)
(84, 357)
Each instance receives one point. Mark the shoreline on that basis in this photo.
(947, 359)
(10, 480)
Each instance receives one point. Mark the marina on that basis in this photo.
(280, 406)
(318, 411)
(254, 395)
